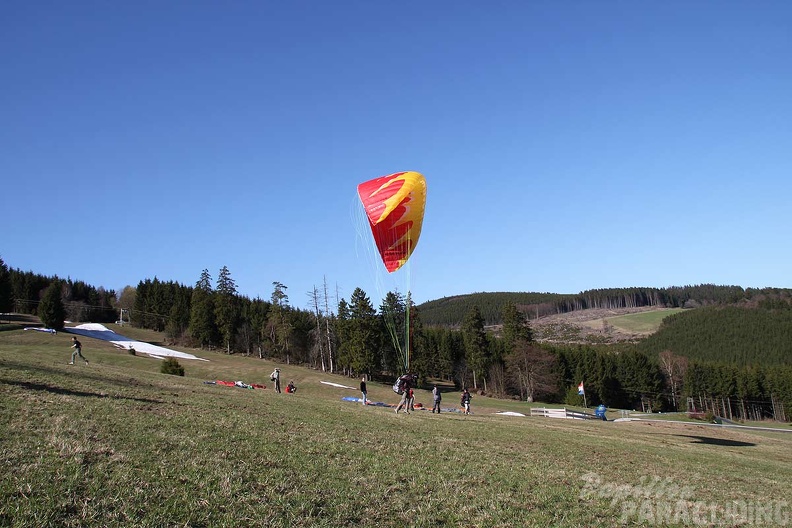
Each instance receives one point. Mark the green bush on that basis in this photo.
(171, 366)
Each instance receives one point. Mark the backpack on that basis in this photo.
(398, 387)
(403, 382)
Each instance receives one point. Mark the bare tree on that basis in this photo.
(674, 368)
(319, 338)
(533, 370)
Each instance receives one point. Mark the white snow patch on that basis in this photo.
(98, 331)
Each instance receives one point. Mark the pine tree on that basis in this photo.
(278, 324)
(226, 307)
(515, 326)
(393, 316)
(364, 335)
(51, 310)
(202, 320)
(343, 331)
(179, 316)
(6, 302)
(475, 339)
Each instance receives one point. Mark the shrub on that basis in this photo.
(171, 366)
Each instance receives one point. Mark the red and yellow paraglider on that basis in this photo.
(395, 206)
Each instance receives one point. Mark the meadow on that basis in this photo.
(642, 322)
(117, 443)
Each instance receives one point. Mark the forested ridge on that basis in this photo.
(449, 311)
(729, 356)
(739, 334)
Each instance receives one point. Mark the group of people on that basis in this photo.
(275, 377)
(407, 397)
(407, 401)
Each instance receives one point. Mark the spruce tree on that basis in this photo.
(278, 322)
(393, 316)
(226, 307)
(364, 335)
(51, 310)
(6, 302)
(202, 319)
(476, 349)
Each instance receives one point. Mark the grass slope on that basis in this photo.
(116, 443)
(642, 322)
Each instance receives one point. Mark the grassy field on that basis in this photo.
(116, 443)
(643, 322)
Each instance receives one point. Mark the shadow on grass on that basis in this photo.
(717, 441)
(69, 392)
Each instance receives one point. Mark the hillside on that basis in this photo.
(450, 311)
(120, 444)
(600, 326)
(741, 335)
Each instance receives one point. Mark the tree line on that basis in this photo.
(756, 334)
(353, 337)
(450, 311)
(22, 291)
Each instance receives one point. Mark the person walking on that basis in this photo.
(275, 376)
(437, 397)
(405, 384)
(465, 401)
(77, 346)
(363, 389)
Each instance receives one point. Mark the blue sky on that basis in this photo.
(567, 145)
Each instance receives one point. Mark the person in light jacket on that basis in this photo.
(275, 376)
(437, 397)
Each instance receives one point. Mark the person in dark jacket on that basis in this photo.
(465, 401)
(363, 389)
(77, 346)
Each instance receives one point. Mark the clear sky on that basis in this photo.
(567, 145)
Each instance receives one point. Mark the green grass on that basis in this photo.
(116, 443)
(642, 322)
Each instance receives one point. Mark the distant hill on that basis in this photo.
(724, 324)
(600, 326)
(450, 311)
(743, 335)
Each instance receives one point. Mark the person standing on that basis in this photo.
(275, 376)
(363, 389)
(410, 400)
(465, 401)
(403, 401)
(406, 383)
(77, 346)
(436, 396)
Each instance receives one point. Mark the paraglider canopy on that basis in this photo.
(394, 206)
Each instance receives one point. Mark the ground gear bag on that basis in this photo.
(398, 387)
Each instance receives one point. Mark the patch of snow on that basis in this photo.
(98, 331)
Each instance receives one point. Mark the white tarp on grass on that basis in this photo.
(98, 331)
(337, 385)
